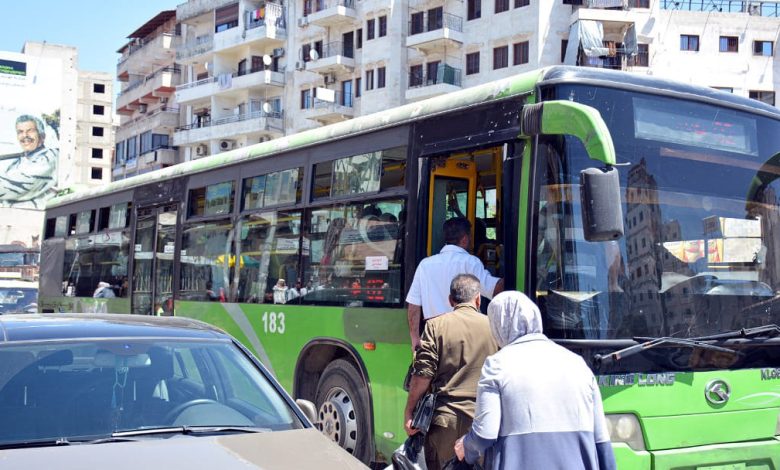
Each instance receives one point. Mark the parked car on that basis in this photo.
(129, 391)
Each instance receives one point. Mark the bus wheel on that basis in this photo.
(342, 408)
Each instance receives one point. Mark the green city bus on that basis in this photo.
(639, 213)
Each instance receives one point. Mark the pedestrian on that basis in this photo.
(104, 290)
(452, 349)
(538, 404)
(428, 293)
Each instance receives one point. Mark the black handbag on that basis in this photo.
(455, 464)
(423, 412)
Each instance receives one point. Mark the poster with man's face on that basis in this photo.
(30, 103)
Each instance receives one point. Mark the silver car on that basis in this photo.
(126, 391)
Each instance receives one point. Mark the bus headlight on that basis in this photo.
(625, 428)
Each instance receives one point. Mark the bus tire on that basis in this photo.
(342, 409)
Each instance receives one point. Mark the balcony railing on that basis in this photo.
(425, 22)
(149, 115)
(147, 78)
(754, 8)
(199, 45)
(200, 82)
(617, 4)
(231, 119)
(443, 74)
(331, 49)
(341, 99)
(272, 14)
(315, 6)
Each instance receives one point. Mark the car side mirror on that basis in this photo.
(308, 408)
(602, 213)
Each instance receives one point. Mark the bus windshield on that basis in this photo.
(699, 191)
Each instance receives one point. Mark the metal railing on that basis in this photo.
(341, 100)
(273, 13)
(754, 8)
(200, 82)
(444, 74)
(319, 5)
(331, 49)
(147, 78)
(617, 4)
(236, 118)
(425, 22)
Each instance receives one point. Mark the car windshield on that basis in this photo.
(701, 251)
(93, 388)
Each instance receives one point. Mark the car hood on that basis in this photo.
(304, 448)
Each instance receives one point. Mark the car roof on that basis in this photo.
(33, 327)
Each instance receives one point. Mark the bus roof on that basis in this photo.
(655, 85)
(517, 85)
(514, 86)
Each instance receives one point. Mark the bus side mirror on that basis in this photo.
(602, 214)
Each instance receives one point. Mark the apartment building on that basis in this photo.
(95, 137)
(149, 74)
(255, 70)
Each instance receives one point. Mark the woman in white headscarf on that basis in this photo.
(538, 404)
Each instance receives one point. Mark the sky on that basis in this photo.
(98, 28)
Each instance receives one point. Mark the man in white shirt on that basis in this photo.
(429, 294)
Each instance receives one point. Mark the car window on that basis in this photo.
(89, 389)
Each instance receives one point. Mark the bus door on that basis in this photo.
(468, 184)
(153, 258)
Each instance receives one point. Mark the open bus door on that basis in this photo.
(153, 260)
(468, 184)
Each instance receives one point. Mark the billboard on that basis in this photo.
(30, 104)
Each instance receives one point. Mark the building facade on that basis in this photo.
(148, 72)
(253, 70)
(49, 113)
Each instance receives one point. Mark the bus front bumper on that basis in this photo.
(764, 454)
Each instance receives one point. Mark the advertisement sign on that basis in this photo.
(30, 103)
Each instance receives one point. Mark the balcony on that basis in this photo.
(195, 47)
(327, 13)
(194, 8)
(327, 111)
(144, 54)
(226, 83)
(433, 33)
(253, 123)
(270, 30)
(333, 58)
(148, 90)
(445, 79)
(160, 156)
(752, 8)
(156, 119)
(614, 21)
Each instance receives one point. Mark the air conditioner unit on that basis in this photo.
(142, 107)
(226, 144)
(300, 65)
(201, 150)
(303, 21)
(279, 52)
(330, 78)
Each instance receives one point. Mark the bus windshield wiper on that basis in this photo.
(767, 331)
(60, 441)
(189, 430)
(607, 359)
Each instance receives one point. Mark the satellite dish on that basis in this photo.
(267, 60)
(267, 108)
(313, 54)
